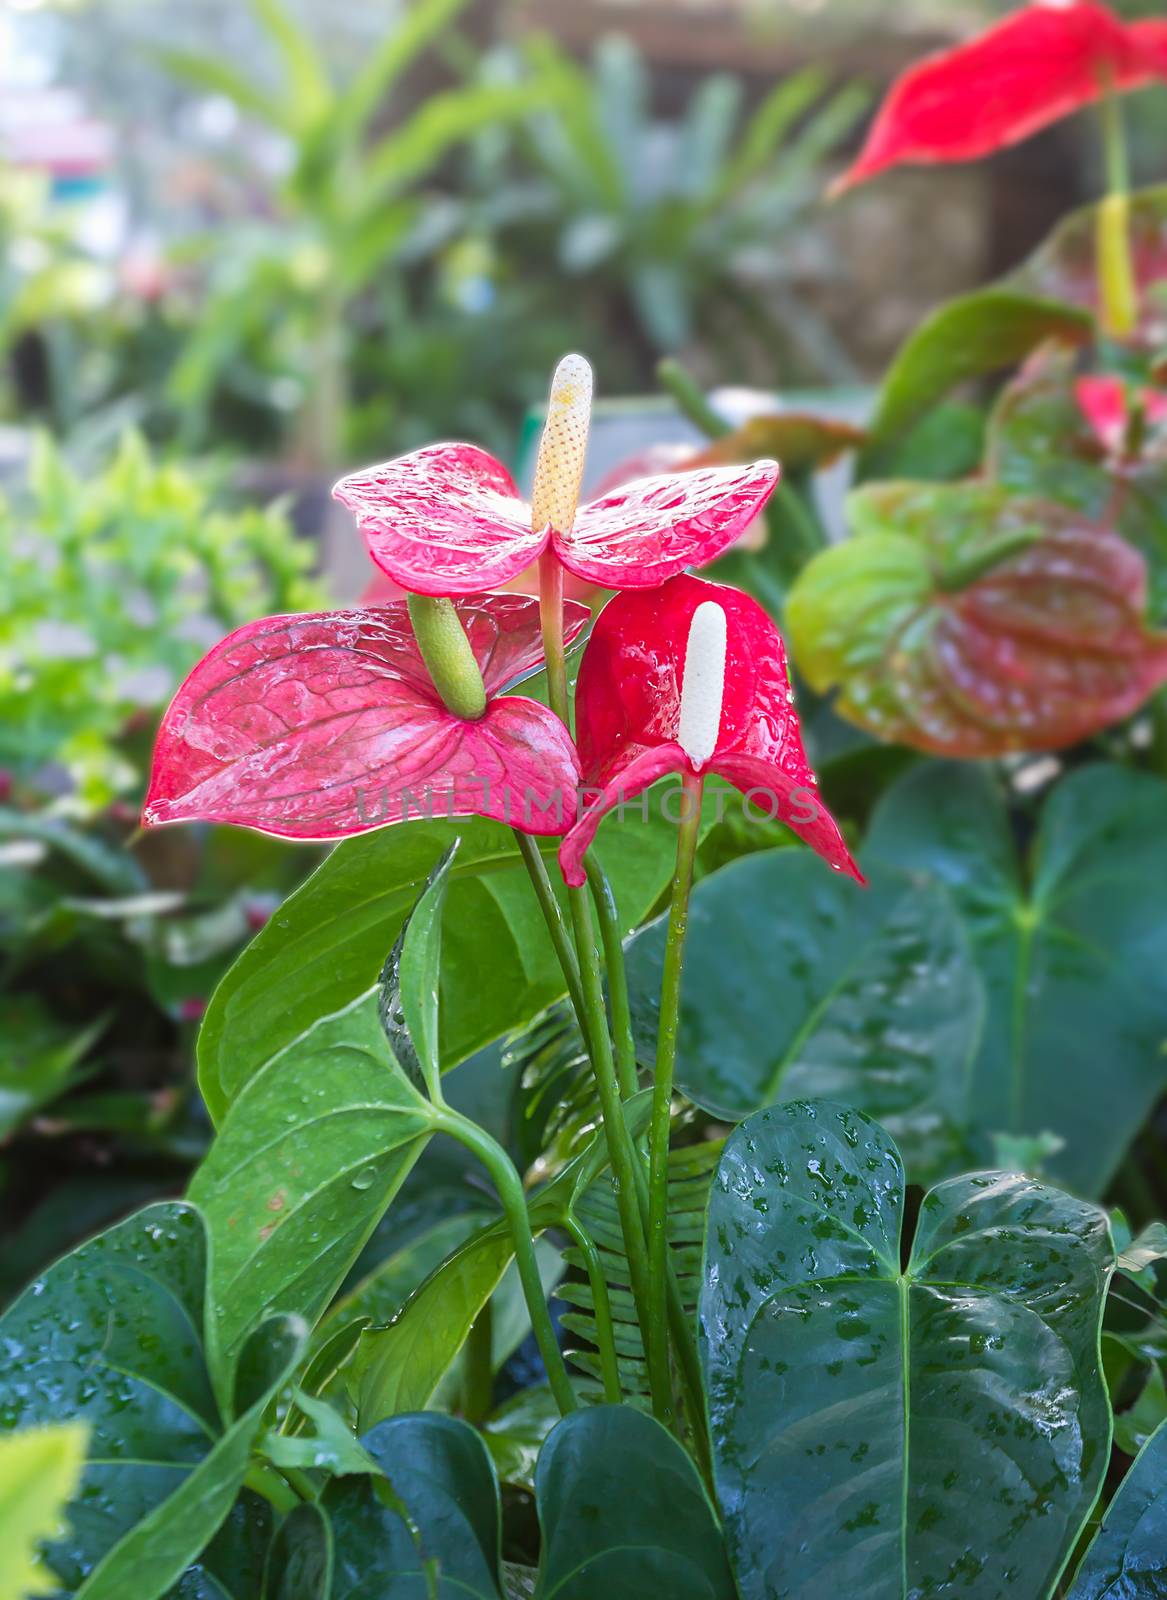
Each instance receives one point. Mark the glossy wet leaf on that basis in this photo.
(623, 1513)
(435, 1518)
(1065, 268)
(39, 1473)
(1041, 442)
(328, 941)
(409, 983)
(965, 620)
(299, 1564)
(1067, 943)
(886, 1434)
(965, 338)
(799, 984)
(306, 1162)
(1128, 1558)
(111, 1336)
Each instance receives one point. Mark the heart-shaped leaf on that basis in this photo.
(623, 1513)
(797, 983)
(897, 1433)
(1128, 1558)
(111, 1336)
(975, 334)
(434, 1520)
(1065, 268)
(969, 621)
(1042, 443)
(1068, 946)
(308, 1159)
(327, 943)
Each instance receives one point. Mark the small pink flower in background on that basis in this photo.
(631, 714)
(1105, 402)
(328, 724)
(448, 519)
(1032, 68)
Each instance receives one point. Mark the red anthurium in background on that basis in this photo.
(638, 717)
(1105, 402)
(448, 519)
(328, 724)
(1017, 77)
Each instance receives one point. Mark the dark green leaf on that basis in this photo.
(1067, 944)
(432, 1528)
(623, 1514)
(309, 1157)
(798, 983)
(1128, 1559)
(888, 1433)
(299, 1564)
(327, 943)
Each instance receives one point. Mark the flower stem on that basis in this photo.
(509, 1186)
(609, 920)
(446, 651)
(551, 621)
(601, 1308)
(553, 917)
(666, 1054)
(1117, 289)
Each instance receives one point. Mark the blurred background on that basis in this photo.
(247, 244)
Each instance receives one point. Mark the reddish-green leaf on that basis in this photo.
(796, 439)
(971, 622)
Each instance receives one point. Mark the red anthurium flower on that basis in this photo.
(652, 700)
(448, 519)
(1105, 403)
(328, 724)
(1015, 78)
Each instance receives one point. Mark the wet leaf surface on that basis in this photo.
(1128, 1558)
(965, 620)
(623, 1513)
(886, 1434)
(800, 984)
(1068, 944)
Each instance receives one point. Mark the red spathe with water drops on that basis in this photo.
(328, 724)
(628, 706)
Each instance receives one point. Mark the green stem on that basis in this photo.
(446, 651)
(1114, 143)
(691, 399)
(666, 1055)
(551, 621)
(621, 1151)
(552, 916)
(609, 920)
(1117, 288)
(601, 1308)
(959, 574)
(509, 1186)
(264, 1480)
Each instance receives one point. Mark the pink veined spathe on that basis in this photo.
(628, 704)
(325, 725)
(448, 520)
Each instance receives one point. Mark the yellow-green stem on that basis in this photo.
(609, 919)
(509, 1187)
(666, 1054)
(601, 1308)
(1117, 289)
(551, 621)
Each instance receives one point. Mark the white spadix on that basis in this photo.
(560, 462)
(703, 684)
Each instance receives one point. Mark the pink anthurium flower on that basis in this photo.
(1105, 402)
(667, 686)
(328, 724)
(448, 519)
(1018, 76)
